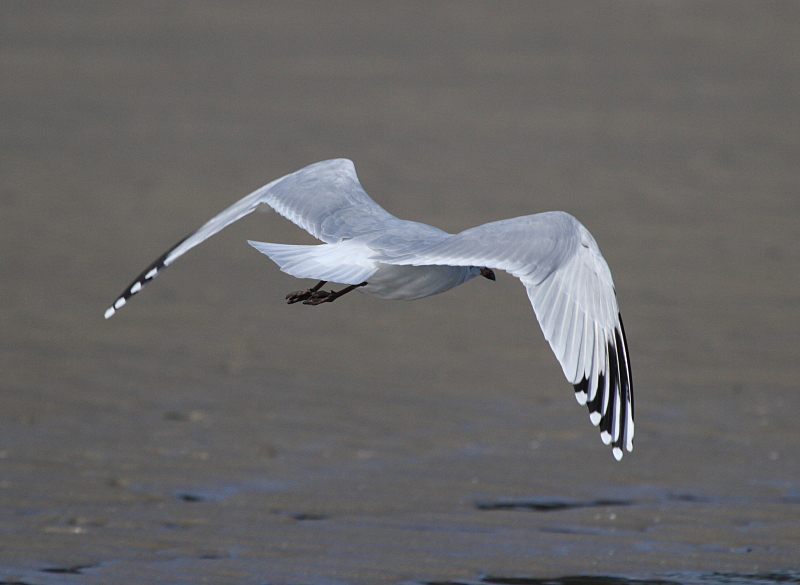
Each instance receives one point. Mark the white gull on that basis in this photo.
(366, 248)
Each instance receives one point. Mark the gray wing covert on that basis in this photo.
(529, 247)
(327, 200)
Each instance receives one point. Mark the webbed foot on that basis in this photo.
(320, 296)
(297, 296)
(302, 295)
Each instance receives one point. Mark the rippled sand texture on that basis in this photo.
(211, 433)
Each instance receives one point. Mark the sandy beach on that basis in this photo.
(210, 433)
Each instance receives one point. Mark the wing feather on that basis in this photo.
(325, 199)
(572, 293)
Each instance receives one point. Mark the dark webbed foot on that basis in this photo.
(319, 297)
(314, 296)
(297, 296)
(302, 295)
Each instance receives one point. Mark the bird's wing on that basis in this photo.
(572, 293)
(325, 199)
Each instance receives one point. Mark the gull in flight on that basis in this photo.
(367, 249)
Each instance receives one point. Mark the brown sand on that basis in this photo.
(210, 433)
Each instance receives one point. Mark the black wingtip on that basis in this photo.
(596, 404)
(582, 390)
(148, 274)
(625, 439)
(607, 422)
(616, 419)
(627, 361)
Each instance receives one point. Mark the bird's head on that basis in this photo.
(487, 273)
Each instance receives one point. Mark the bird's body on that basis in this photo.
(409, 283)
(364, 246)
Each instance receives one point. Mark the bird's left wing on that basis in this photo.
(572, 293)
(325, 199)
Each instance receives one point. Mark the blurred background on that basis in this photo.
(211, 433)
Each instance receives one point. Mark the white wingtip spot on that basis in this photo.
(629, 444)
(110, 311)
(605, 436)
(151, 274)
(136, 288)
(595, 418)
(617, 453)
(581, 397)
(119, 302)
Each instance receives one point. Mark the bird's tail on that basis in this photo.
(345, 262)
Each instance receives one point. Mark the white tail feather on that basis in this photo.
(345, 262)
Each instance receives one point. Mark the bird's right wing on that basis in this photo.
(572, 293)
(325, 199)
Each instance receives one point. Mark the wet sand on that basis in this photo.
(211, 433)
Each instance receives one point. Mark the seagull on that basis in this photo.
(368, 249)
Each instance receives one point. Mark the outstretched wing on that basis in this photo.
(325, 199)
(572, 293)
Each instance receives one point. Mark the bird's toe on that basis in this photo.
(318, 297)
(297, 296)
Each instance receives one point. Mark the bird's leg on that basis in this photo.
(302, 295)
(321, 296)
